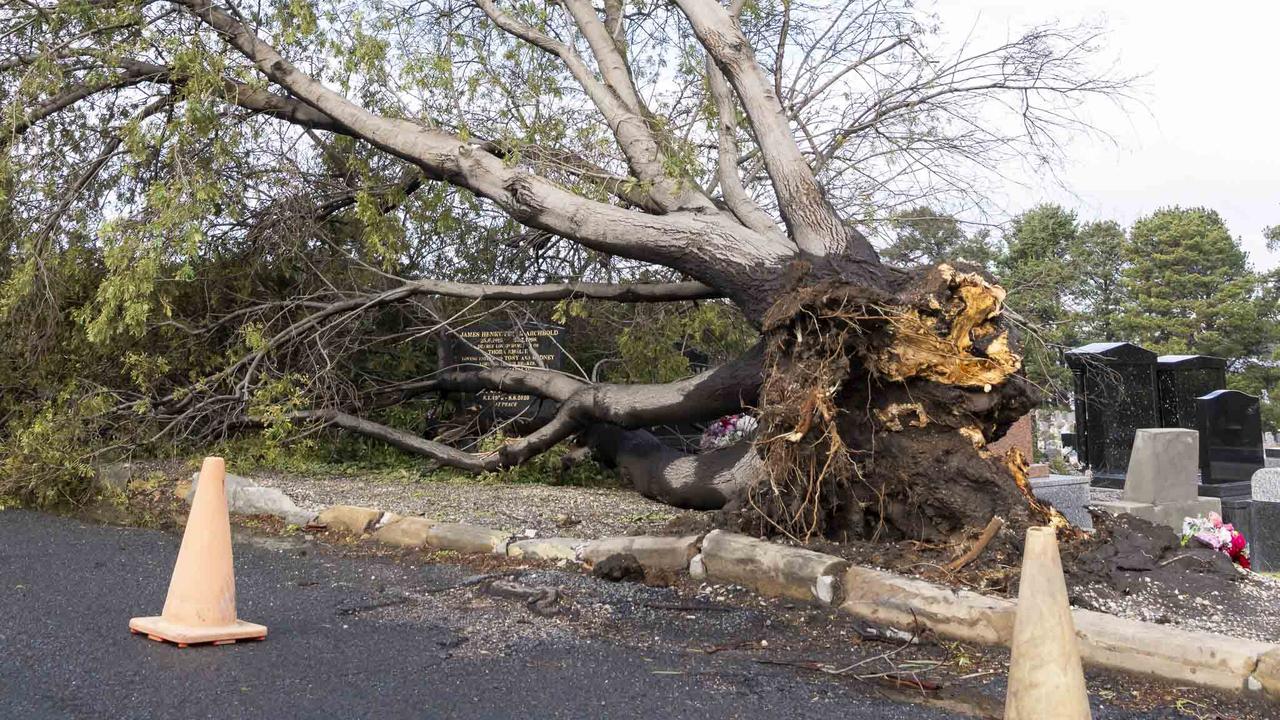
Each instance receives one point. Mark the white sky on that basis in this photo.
(1205, 129)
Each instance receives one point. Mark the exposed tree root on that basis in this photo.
(876, 409)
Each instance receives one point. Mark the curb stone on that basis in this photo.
(1267, 674)
(464, 538)
(772, 569)
(348, 518)
(1106, 641)
(1184, 655)
(552, 548)
(404, 532)
(671, 554)
(246, 497)
(1195, 658)
(886, 598)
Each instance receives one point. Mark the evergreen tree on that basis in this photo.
(1191, 289)
(924, 235)
(1097, 291)
(1040, 281)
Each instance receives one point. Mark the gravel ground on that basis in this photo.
(1249, 608)
(1101, 495)
(549, 510)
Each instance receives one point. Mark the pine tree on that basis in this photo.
(925, 235)
(1191, 289)
(1040, 281)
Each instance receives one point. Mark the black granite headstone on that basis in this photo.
(1183, 378)
(1239, 512)
(1230, 425)
(1115, 394)
(498, 344)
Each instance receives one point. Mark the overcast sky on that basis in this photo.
(1204, 130)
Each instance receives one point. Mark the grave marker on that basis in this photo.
(1161, 482)
(1115, 394)
(498, 344)
(1264, 521)
(1183, 378)
(1230, 424)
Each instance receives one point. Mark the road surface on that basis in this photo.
(357, 635)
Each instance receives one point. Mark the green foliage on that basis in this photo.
(1097, 292)
(1178, 282)
(46, 452)
(547, 468)
(1190, 288)
(657, 346)
(1038, 274)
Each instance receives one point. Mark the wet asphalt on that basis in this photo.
(347, 642)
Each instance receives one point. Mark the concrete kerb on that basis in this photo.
(1106, 641)
(670, 554)
(772, 569)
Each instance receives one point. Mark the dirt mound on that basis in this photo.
(1129, 556)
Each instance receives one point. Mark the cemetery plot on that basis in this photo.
(1230, 425)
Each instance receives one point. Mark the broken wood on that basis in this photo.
(983, 540)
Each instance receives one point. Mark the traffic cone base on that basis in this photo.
(158, 628)
(201, 604)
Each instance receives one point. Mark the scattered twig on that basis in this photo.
(376, 605)
(915, 682)
(712, 650)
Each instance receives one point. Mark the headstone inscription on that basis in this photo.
(1115, 394)
(1183, 378)
(1230, 424)
(497, 344)
(1264, 521)
(1160, 486)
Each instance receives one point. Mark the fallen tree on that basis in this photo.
(877, 388)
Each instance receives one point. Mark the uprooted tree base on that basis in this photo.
(876, 409)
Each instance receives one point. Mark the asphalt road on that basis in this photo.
(354, 634)
(356, 637)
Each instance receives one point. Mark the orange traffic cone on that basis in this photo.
(1046, 679)
(201, 605)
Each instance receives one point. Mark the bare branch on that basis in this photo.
(735, 195)
(706, 246)
(615, 98)
(810, 218)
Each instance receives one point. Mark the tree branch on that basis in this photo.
(735, 195)
(808, 214)
(709, 247)
(621, 110)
